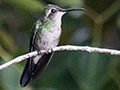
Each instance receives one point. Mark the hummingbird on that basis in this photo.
(45, 35)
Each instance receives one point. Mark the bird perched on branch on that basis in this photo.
(45, 35)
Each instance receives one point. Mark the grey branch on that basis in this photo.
(60, 48)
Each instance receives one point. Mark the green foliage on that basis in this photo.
(99, 26)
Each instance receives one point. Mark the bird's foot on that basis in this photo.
(49, 51)
(39, 52)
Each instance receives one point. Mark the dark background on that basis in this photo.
(99, 26)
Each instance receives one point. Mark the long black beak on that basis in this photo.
(73, 9)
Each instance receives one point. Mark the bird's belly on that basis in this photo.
(49, 39)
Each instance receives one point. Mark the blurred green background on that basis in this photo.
(99, 26)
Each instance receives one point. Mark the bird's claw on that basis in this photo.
(39, 52)
(49, 51)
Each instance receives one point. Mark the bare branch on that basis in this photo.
(60, 48)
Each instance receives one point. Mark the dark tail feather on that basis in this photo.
(36, 69)
(41, 65)
(25, 78)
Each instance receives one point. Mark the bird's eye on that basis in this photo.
(53, 10)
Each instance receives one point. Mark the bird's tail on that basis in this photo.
(25, 78)
(34, 70)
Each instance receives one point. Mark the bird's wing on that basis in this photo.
(26, 76)
(41, 65)
(33, 70)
